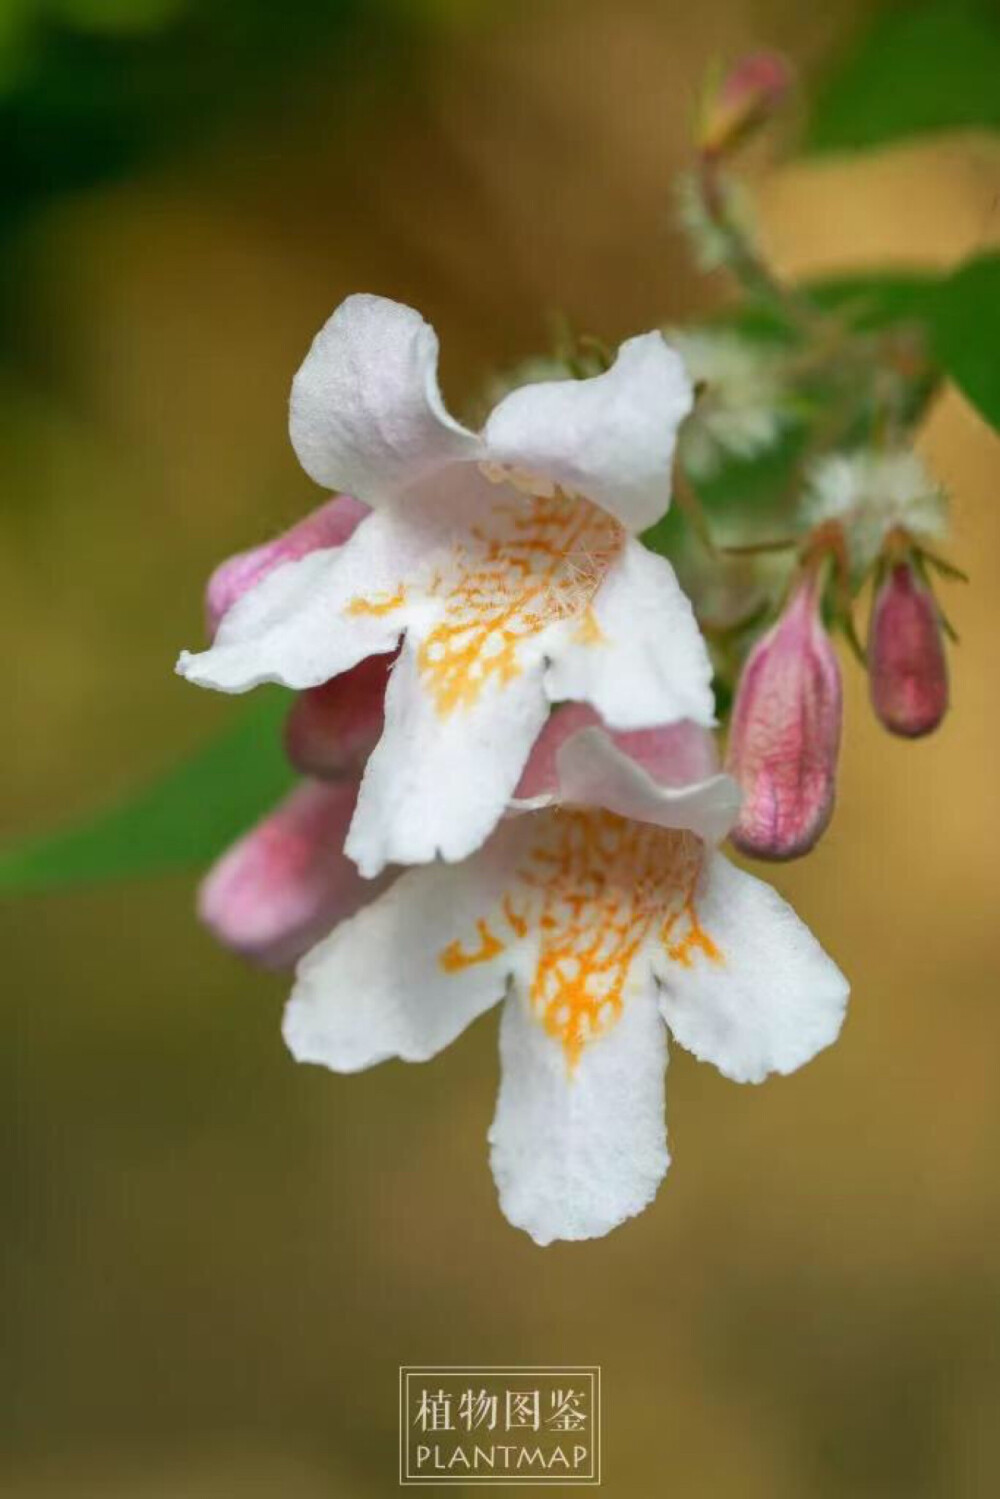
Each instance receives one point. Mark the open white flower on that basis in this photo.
(505, 559)
(603, 917)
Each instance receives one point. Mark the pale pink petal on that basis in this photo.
(677, 754)
(328, 526)
(286, 883)
(595, 772)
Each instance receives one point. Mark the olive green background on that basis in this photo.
(214, 1260)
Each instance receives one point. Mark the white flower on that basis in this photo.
(603, 917)
(505, 559)
(872, 493)
(741, 406)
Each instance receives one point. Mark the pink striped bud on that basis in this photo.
(328, 526)
(785, 733)
(748, 95)
(907, 670)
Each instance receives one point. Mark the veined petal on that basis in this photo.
(397, 981)
(575, 1151)
(366, 413)
(610, 438)
(328, 526)
(771, 1001)
(286, 882)
(645, 662)
(439, 778)
(311, 619)
(594, 771)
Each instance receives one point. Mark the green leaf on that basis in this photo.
(867, 300)
(180, 821)
(966, 332)
(873, 299)
(917, 68)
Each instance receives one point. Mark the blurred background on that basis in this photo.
(214, 1261)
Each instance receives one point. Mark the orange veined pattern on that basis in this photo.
(536, 559)
(596, 887)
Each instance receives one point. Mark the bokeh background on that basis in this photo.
(214, 1261)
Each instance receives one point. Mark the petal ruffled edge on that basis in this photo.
(610, 437)
(662, 776)
(381, 985)
(576, 1152)
(366, 413)
(772, 1001)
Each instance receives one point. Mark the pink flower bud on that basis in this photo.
(748, 95)
(907, 670)
(332, 729)
(328, 526)
(286, 883)
(785, 733)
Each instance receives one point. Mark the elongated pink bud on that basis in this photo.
(286, 883)
(331, 730)
(785, 733)
(907, 669)
(748, 94)
(328, 526)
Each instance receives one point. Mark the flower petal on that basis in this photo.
(576, 1151)
(366, 412)
(595, 771)
(286, 882)
(610, 438)
(328, 526)
(647, 664)
(438, 783)
(310, 620)
(392, 982)
(773, 1001)
(677, 754)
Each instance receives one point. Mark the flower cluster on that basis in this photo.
(506, 696)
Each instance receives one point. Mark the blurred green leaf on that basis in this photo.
(180, 821)
(115, 15)
(873, 299)
(868, 300)
(966, 332)
(917, 68)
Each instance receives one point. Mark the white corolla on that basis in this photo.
(504, 565)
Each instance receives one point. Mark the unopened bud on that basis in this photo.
(331, 730)
(907, 670)
(286, 883)
(329, 525)
(748, 95)
(785, 734)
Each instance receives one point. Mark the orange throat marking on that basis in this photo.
(534, 560)
(595, 888)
